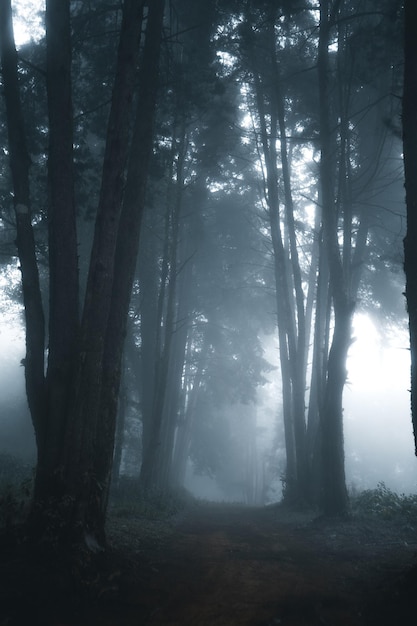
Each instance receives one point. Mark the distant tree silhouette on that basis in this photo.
(410, 167)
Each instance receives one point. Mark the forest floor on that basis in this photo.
(229, 565)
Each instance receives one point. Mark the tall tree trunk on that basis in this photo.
(185, 426)
(291, 367)
(62, 242)
(75, 456)
(173, 414)
(335, 498)
(318, 369)
(119, 438)
(85, 432)
(299, 355)
(128, 242)
(409, 118)
(149, 327)
(291, 317)
(98, 298)
(153, 462)
(25, 240)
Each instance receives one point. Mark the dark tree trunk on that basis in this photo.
(175, 407)
(299, 354)
(410, 163)
(98, 298)
(149, 323)
(77, 467)
(335, 498)
(75, 420)
(301, 340)
(62, 244)
(119, 438)
(128, 242)
(291, 313)
(185, 427)
(153, 462)
(318, 372)
(152, 419)
(291, 345)
(25, 241)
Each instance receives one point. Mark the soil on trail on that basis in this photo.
(228, 565)
(223, 565)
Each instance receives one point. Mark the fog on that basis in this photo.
(377, 423)
(16, 432)
(237, 449)
(378, 429)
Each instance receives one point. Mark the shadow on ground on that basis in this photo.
(224, 565)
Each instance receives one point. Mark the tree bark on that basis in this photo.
(409, 118)
(149, 323)
(128, 240)
(299, 356)
(75, 461)
(62, 241)
(291, 331)
(184, 428)
(318, 369)
(152, 464)
(98, 297)
(335, 498)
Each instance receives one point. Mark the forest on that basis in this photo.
(205, 207)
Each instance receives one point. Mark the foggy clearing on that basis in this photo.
(208, 312)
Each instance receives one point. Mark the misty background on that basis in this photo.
(378, 430)
(214, 246)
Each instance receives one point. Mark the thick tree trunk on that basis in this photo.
(75, 458)
(62, 246)
(77, 468)
(335, 498)
(128, 242)
(410, 163)
(84, 425)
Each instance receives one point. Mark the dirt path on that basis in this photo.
(219, 565)
(225, 566)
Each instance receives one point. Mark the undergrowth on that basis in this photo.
(16, 480)
(127, 500)
(385, 503)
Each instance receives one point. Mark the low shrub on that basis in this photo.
(128, 500)
(16, 480)
(385, 503)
